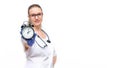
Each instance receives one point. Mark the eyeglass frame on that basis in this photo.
(34, 15)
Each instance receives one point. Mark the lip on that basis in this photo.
(37, 21)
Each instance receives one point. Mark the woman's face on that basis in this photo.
(35, 16)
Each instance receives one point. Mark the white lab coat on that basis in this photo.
(38, 57)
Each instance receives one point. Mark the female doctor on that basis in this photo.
(38, 55)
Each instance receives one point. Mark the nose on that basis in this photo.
(36, 17)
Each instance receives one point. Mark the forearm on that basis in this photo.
(54, 60)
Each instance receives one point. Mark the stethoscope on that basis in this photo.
(43, 43)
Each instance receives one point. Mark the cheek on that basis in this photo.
(31, 20)
(41, 19)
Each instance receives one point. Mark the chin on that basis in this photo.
(37, 24)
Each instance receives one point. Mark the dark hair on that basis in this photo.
(33, 5)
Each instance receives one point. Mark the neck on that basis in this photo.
(37, 28)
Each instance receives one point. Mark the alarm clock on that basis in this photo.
(27, 31)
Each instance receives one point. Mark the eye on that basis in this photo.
(40, 14)
(33, 15)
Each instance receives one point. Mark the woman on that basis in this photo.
(38, 56)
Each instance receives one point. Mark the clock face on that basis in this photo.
(27, 32)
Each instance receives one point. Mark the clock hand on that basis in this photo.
(28, 31)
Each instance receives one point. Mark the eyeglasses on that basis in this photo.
(38, 15)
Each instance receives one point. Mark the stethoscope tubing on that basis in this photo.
(48, 40)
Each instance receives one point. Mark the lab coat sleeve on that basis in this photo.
(54, 52)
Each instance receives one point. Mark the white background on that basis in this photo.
(86, 33)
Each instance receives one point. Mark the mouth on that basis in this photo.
(37, 21)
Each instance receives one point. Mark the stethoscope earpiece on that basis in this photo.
(48, 41)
